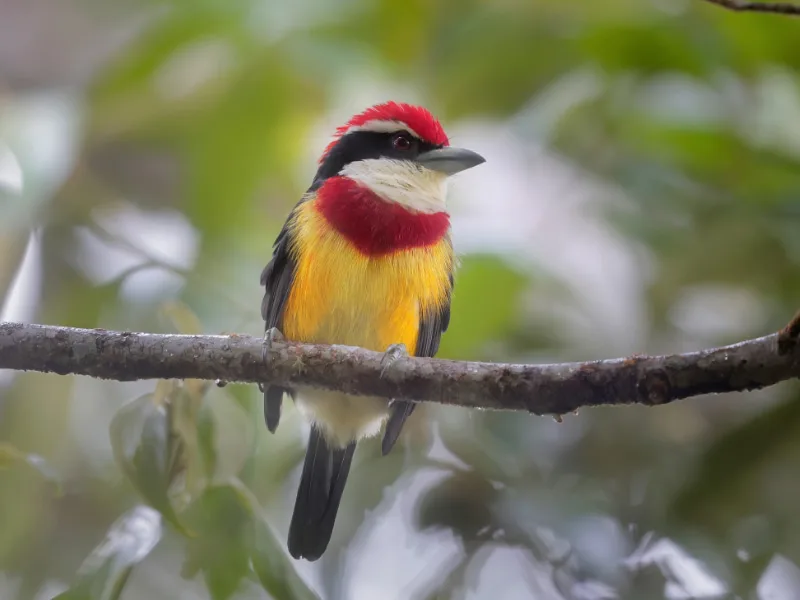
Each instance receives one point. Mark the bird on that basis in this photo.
(365, 258)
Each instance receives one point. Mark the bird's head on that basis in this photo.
(399, 152)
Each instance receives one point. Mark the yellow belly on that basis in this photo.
(340, 296)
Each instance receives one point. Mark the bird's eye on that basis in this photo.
(401, 141)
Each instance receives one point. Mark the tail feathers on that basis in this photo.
(399, 412)
(273, 398)
(324, 476)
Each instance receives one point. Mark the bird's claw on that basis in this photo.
(271, 335)
(391, 356)
(299, 366)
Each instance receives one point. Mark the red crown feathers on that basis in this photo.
(415, 118)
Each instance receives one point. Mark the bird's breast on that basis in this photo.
(341, 295)
(375, 225)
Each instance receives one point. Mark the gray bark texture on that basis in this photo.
(540, 389)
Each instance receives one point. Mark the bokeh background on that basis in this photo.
(641, 195)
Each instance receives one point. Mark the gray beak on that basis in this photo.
(450, 160)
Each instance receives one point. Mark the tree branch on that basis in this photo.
(540, 389)
(781, 8)
(789, 336)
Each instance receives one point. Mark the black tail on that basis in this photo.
(321, 485)
(273, 398)
(398, 413)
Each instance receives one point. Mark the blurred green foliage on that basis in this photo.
(643, 184)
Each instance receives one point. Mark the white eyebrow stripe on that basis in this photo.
(381, 126)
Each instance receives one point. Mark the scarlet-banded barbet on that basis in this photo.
(364, 259)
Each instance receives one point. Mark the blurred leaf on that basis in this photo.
(229, 534)
(180, 400)
(164, 389)
(223, 521)
(487, 442)
(647, 580)
(461, 68)
(398, 31)
(485, 306)
(461, 502)
(657, 46)
(243, 143)
(206, 439)
(726, 485)
(10, 455)
(103, 574)
(197, 426)
(79, 304)
(747, 48)
(12, 251)
(144, 447)
(222, 434)
(123, 97)
(273, 456)
(274, 569)
(182, 318)
(717, 156)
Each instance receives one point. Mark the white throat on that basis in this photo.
(401, 181)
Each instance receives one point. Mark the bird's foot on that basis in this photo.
(299, 366)
(271, 335)
(398, 410)
(391, 356)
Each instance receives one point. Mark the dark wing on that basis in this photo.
(431, 328)
(277, 280)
